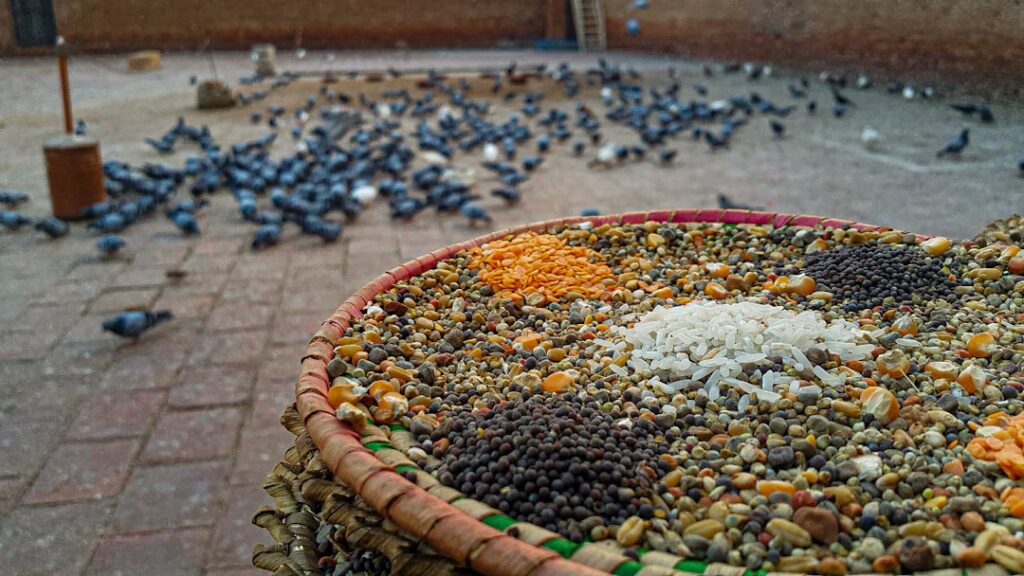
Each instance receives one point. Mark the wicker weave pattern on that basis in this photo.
(439, 516)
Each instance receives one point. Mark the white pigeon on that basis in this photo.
(490, 152)
(365, 194)
(384, 111)
(908, 92)
(863, 81)
(606, 155)
(870, 138)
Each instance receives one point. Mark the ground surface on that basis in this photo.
(147, 458)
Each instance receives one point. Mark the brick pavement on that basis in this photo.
(147, 457)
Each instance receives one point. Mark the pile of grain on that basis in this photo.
(720, 343)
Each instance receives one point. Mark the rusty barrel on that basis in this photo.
(74, 170)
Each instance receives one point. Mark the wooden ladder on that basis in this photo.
(589, 17)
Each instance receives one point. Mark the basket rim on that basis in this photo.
(463, 538)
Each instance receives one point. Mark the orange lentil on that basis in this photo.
(540, 263)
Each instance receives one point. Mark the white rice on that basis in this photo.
(713, 343)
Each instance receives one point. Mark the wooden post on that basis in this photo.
(65, 91)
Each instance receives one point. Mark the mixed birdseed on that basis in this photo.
(886, 438)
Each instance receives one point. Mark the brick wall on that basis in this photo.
(933, 40)
(188, 24)
(981, 40)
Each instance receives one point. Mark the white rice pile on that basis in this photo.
(713, 343)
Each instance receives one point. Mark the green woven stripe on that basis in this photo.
(377, 446)
(629, 568)
(394, 427)
(564, 548)
(691, 566)
(406, 468)
(499, 521)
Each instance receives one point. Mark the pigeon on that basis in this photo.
(639, 4)
(590, 212)
(840, 99)
(186, 223)
(163, 145)
(80, 128)
(474, 213)
(812, 106)
(982, 110)
(531, 163)
(726, 203)
(870, 138)
(109, 222)
(839, 110)
(13, 198)
(863, 82)
(577, 147)
(490, 152)
(134, 323)
(110, 244)
(266, 235)
(53, 227)
(955, 146)
(667, 156)
(1020, 166)
(908, 92)
(778, 128)
(13, 220)
(509, 195)
(193, 80)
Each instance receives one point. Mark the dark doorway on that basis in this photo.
(34, 23)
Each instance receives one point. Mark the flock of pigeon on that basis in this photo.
(357, 152)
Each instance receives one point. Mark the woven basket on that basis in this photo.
(339, 490)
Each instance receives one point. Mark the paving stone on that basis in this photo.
(161, 254)
(98, 269)
(24, 445)
(315, 299)
(26, 344)
(147, 277)
(116, 414)
(83, 471)
(80, 360)
(185, 306)
(175, 553)
(193, 435)
(238, 316)
(37, 398)
(148, 368)
(241, 290)
(216, 263)
(213, 386)
(77, 291)
(52, 319)
(220, 246)
(48, 540)
(229, 347)
(195, 284)
(120, 300)
(176, 496)
(297, 328)
(88, 329)
(235, 535)
(11, 488)
(261, 447)
(272, 394)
